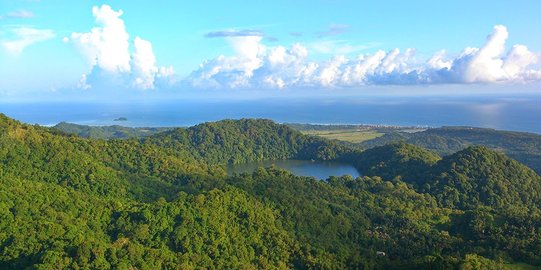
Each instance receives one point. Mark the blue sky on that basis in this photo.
(144, 47)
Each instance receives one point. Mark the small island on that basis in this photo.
(121, 119)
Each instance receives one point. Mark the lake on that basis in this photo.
(318, 169)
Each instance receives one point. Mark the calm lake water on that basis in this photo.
(318, 169)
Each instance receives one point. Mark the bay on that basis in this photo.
(503, 113)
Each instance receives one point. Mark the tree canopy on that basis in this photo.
(165, 202)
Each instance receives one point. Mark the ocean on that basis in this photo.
(505, 113)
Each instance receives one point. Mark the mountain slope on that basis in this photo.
(522, 146)
(478, 175)
(47, 226)
(116, 168)
(240, 141)
(106, 132)
(464, 180)
(394, 160)
(164, 202)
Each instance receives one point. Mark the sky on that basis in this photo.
(60, 49)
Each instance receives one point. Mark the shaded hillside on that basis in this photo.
(403, 160)
(478, 175)
(468, 178)
(522, 146)
(107, 132)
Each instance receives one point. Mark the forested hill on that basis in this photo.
(464, 180)
(164, 159)
(119, 168)
(164, 202)
(226, 141)
(239, 141)
(478, 175)
(394, 160)
(107, 132)
(522, 146)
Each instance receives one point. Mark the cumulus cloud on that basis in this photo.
(106, 46)
(145, 63)
(490, 63)
(338, 47)
(256, 66)
(235, 71)
(107, 49)
(24, 36)
(518, 58)
(484, 64)
(438, 61)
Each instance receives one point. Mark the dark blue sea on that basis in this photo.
(521, 113)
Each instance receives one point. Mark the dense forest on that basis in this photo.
(164, 201)
(107, 132)
(522, 146)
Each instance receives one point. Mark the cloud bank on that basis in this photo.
(257, 66)
(107, 49)
(115, 59)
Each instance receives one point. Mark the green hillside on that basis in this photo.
(478, 175)
(239, 141)
(394, 160)
(522, 146)
(165, 202)
(107, 132)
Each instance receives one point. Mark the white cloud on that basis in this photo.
(330, 71)
(249, 51)
(438, 61)
(165, 72)
(235, 71)
(107, 45)
(490, 63)
(23, 36)
(338, 47)
(107, 48)
(83, 84)
(255, 65)
(518, 58)
(485, 64)
(144, 63)
(23, 14)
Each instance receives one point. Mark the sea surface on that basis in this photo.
(319, 169)
(505, 113)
